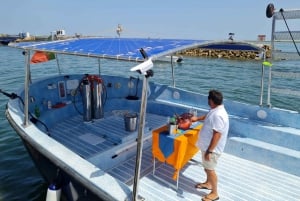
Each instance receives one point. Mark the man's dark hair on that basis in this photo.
(216, 96)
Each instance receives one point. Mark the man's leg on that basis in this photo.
(212, 181)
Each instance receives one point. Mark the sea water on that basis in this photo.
(238, 80)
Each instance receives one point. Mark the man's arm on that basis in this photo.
(200, 118)
(213, 143)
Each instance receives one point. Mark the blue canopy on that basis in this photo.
(112, 48)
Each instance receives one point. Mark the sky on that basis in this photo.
(188, 19)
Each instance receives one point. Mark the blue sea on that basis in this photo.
(238, 80)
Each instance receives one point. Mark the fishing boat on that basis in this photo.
(92, 140)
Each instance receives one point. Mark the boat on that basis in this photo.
(89, 163)
(232, 45)
(5, 40)
(91, 140)
(228, 47)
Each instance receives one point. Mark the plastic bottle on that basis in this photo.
(37, 111)
(173, 120)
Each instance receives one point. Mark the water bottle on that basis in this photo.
(37, 111)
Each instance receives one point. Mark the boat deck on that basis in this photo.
(239, 179)
(89, 139)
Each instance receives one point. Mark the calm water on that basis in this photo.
(238, 80)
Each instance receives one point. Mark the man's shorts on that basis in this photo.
(212, 163)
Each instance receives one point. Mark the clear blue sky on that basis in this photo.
(193, 19)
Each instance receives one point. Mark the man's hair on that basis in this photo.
(216, 96)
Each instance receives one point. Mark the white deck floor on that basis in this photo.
(239, 179)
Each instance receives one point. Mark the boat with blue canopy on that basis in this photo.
(92, 139)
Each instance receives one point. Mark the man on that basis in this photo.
(212, 140)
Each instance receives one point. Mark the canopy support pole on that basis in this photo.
(140, 135)
(26, 88)
(99, 66)
(173, 72)
(58, 67)
(273, 38)
(262, 80)
(269, 87)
